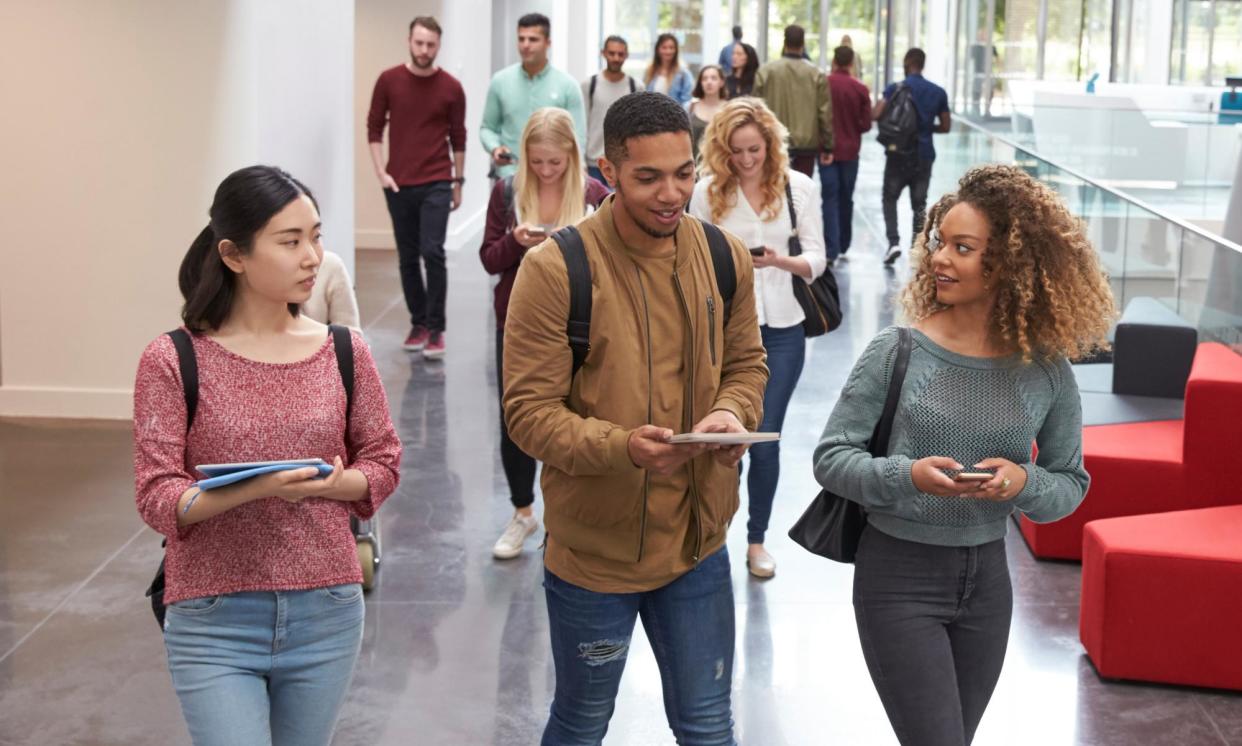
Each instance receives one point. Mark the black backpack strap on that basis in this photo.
(633, 85)
(187, 361)
(722, 263)
(591, 95)
(343, 344)
(578, 268)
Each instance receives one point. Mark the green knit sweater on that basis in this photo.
(968, 409)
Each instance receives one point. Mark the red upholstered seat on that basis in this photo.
(1153, 467)
(1162, 597)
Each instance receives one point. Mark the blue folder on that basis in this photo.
(219, 475)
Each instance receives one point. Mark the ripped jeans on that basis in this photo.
(689, 623)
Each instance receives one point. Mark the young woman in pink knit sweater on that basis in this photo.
(264, 602)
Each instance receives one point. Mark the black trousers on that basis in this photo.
(519, 468)
(934, 626)
(420, 221)
(900, 172)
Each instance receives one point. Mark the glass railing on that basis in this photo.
(1146, 251)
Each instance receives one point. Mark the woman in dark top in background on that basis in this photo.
(709, 97)
(549, 191)
(745, 65)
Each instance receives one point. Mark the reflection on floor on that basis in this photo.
(455, 649)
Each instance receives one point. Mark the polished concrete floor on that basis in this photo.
(455, 649)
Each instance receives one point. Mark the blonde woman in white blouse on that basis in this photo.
(748, 176)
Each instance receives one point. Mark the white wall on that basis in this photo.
(120, 121)
(381, 41)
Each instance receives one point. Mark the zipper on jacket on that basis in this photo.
(642, 524)
(711, 326)
(696, 509)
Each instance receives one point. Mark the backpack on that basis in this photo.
(187, 362)
(578, 329)
(591, 91)
(898, 126)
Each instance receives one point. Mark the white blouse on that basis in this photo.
(774, 297)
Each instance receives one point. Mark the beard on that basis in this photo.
(653, 232)
(415, 61)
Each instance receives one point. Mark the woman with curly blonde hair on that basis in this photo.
(1006, 290)
(750, 191)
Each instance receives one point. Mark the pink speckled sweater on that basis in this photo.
(253, 411)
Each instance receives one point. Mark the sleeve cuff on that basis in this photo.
(618, 444)
(730, 406)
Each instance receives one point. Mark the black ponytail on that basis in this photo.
(245, 201)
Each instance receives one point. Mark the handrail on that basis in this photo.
(1191, 227)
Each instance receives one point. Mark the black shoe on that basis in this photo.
(894, 252)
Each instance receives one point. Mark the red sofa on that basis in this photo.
(1155, 467)
(1162, 597)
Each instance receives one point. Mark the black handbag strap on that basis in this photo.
(795, 244)
(883, 429)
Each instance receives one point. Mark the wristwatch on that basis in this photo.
(459, 180)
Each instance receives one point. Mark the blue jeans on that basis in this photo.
(786, 354)
(264, 667)
(690, 625)
(837, 182)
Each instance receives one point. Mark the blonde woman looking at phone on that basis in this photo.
(549, 191)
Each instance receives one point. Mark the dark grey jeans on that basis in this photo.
(934, 625)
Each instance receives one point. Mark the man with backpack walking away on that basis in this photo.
(599, 92)
(906, 118)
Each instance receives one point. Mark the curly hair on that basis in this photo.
(1053, 298)
(715, 153)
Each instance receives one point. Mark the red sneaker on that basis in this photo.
(435, 346)
(417, 339)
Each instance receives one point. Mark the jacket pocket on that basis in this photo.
(711, 327)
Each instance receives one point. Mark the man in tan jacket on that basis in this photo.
(797, 93)
(636, 525)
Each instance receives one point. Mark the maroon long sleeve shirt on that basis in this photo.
(425, 117)
(851, 115)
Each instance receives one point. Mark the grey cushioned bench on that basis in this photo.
(1153, 349)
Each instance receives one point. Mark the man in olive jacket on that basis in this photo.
(636, 525)
(797, 93)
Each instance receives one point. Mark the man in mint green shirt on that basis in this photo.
(517, 90)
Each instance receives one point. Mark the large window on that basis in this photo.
(1207, 41)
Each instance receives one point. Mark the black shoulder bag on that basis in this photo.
(187, 362)
(820, 299)
(832, 525)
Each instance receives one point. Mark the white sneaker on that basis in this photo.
(509, 545)
(761, 565)
(894, 252)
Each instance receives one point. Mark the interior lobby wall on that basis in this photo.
(120, 121)
(382, 34)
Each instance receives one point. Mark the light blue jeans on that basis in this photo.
(264, 667)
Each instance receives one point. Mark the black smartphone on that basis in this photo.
(756, 251)
(506, 157)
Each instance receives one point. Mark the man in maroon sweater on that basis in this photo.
(851, 116)
(425, 110)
